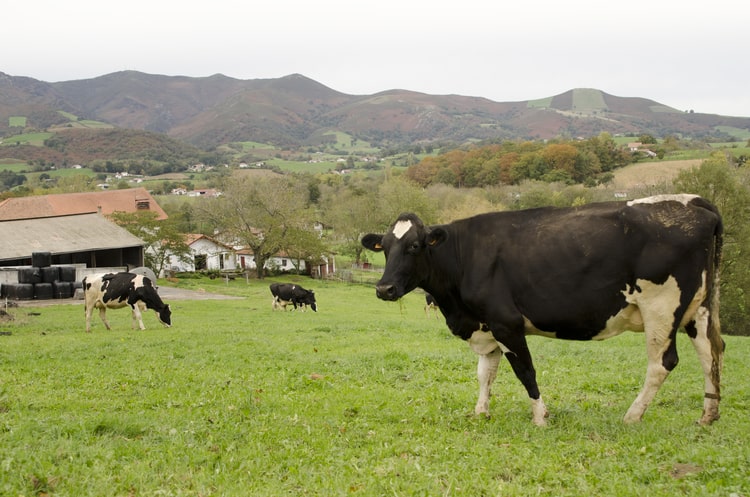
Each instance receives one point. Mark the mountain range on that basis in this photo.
(296, 111)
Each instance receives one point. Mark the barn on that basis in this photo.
(85, 241)
(73, 228)
(88, 239)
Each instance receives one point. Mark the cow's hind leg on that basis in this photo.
(88, 311)
(486, 374)
(662, 359)
(710, 348)
(103, 317)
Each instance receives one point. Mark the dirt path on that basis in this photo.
(167, 294)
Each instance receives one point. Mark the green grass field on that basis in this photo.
(36, 139)
(13, 165)
(362, 398)
(17, 121)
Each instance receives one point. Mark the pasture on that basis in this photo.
(363, 398)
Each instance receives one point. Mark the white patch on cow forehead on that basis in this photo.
(684, 198)
(401, 228)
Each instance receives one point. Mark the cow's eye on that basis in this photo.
(414, 247)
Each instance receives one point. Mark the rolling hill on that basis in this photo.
(295, 111)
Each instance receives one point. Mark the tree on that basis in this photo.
(304, 245)
(561, 157)
(350, 211)
(729, 189)
(264, 214)
(162, 238)
(397, 196)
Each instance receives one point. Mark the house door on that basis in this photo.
(200, 262)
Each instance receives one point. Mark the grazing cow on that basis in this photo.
(285, 294)
(430, 305)
(584, 273)
(116, 290)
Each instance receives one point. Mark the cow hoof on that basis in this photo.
(482, 413)
(708, 418)
(539, 412)
(631, 420)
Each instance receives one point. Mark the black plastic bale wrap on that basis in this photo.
(68, 273)
(62, 289)
(41, 259)
(50, 274)
(43, 291)
(30, 275)
(18, 291)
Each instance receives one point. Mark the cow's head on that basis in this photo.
(310, 300)
(406, 245)
(165, 315)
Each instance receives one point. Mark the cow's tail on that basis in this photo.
(85, 301)
(714, 282)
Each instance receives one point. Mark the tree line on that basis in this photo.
(589, 162)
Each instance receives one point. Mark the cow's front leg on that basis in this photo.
(486, 374)
(518, 355)
(137, 316)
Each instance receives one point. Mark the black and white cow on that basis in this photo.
(584, 273)
(116, 290)
(285, 294)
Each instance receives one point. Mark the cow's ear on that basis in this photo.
(373, 242)
(436, 236)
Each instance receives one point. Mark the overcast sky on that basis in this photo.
(687, 55)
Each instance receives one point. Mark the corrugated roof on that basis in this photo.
(62, 235)
(63, 204)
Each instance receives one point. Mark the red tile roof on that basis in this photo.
(63, 204)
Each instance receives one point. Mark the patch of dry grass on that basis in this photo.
(649, 174)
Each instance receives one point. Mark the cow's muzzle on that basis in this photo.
(386, 292)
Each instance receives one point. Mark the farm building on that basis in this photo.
(211, 254)
(63, 204)
(74, 229)
(88, 239)
(83, 244)
(207, 253)
(284, 263)
(279, 262)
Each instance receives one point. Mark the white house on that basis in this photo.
(283, 262)
(211, 254)
(279, 262)
(207, 253)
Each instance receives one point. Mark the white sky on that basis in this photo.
(688, 55)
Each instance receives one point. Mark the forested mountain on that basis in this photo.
(295, 111)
